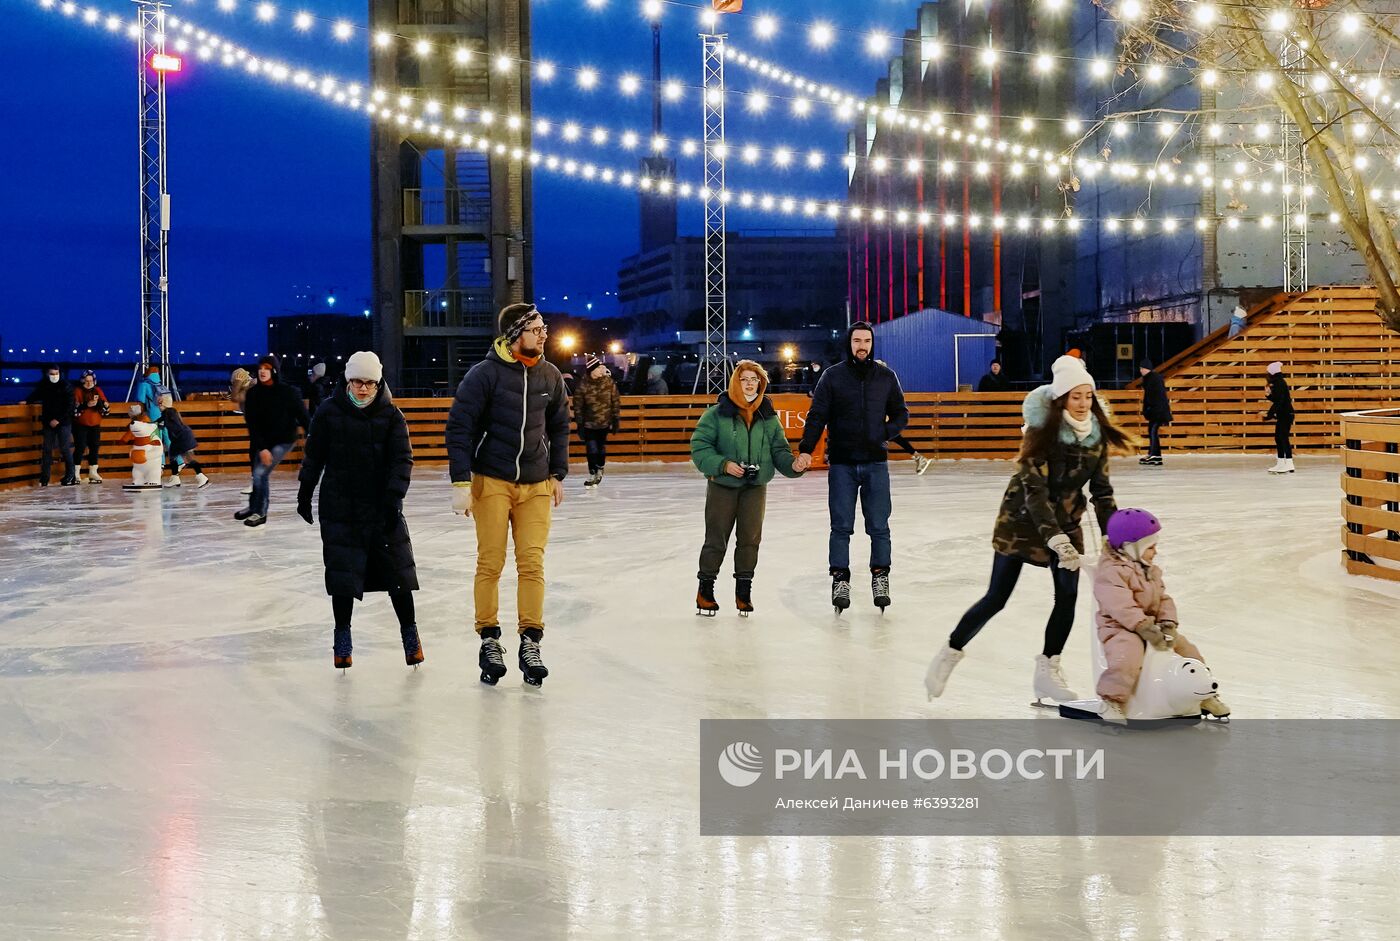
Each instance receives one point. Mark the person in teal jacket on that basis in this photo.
(738, 445)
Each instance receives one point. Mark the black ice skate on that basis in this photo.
(492, 658)
(530, 663)
(705, 604)
(341, 649)
(743, 596)
(594, 479)
(840, 589)
(412, 645)
(880, 588)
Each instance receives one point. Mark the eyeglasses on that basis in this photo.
(541, 331)
(364, 383)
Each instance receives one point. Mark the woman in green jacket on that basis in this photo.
(738, 445)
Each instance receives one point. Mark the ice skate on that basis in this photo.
(530, 663)
(840, 589)
(921, 464)
(342, 648)
(1050, 683)
(492, 658)
(705, 604)
(242, 514)
(880, 588)
(1284, 466)
(70, 481)
(93, 476)
(412, 645)
(594, 479)
(1113, 713)
(255, 519)
(1215, 709)
(201, 480)
(172, 481)
(743, 596)
(939, 669)
(246, 492)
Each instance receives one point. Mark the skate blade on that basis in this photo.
(1043, 704)
(702, 613)
(1217, 720)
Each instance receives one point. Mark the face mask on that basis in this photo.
(53, 378)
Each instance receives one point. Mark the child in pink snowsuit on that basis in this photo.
(1134, 608)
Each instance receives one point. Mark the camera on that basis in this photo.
(750, 473)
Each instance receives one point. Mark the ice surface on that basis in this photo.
(181, 761)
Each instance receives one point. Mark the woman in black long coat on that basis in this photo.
(358, 449)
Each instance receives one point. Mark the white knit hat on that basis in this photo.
(364, 365)
(1069, 373)
(1275, 368)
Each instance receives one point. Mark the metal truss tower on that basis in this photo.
(714, 367)
(1295, 179)
(155, 199)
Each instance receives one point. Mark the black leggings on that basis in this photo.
(1006, 569)
(1283, 427)
(179, 461)
(342, 605)
(87, 440)
(595, 445)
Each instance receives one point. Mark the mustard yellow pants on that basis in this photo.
(523, 511)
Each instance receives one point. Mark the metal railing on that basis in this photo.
(447, 207)
(447, 308)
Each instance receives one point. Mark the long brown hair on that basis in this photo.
(1040, 440)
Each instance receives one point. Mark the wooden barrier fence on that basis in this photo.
(657, 428)
(1371, 493)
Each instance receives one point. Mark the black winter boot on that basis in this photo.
(743, 595)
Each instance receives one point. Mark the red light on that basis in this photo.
(161, 62)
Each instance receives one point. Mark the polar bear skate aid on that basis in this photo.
(1169, 690)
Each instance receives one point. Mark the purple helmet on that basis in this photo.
(1130, 525)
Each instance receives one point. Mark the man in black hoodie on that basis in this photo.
(54, 396)
(860, 404)
(508, 447)
(273, 411)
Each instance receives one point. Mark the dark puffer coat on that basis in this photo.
(1280, 398)
(363, 461)
(860, 406)
(55, 401)
(273, 412)
(1156, 406)
(182, 439)
(509, 422)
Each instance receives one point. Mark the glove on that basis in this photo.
(304, 504)
(1168, 634)
(1061, 545)
(1151, 632)
(462, 499)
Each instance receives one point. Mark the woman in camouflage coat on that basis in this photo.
(1066, 445)
(598, 408)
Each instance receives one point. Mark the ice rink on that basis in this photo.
(180, 760)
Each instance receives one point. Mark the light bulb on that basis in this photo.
(821, 35)
(766, 27)
(877, 44)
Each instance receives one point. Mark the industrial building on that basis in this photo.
(452, 227)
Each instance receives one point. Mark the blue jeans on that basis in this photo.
(1154, 439)
(261, 472)
(871, 483)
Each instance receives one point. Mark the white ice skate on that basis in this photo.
(939, 669)
(93, 476)
(1284, 466)
(172, 481)
(921, 464)
(1050, 683)
(201, 480)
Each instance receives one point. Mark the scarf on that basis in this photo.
(1081, 429)
(529, 361)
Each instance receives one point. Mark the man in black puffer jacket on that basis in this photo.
(54, 396)
(860, 404)
(273, 411)
(508, 447)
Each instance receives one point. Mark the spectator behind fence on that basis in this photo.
(90, 406)
(994, 380)
(54, 396)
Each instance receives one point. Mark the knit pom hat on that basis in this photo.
(512, 320)
(1069, 373)
(1275, 368)
(1132, 532)
(591, 363)
(364, 365)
